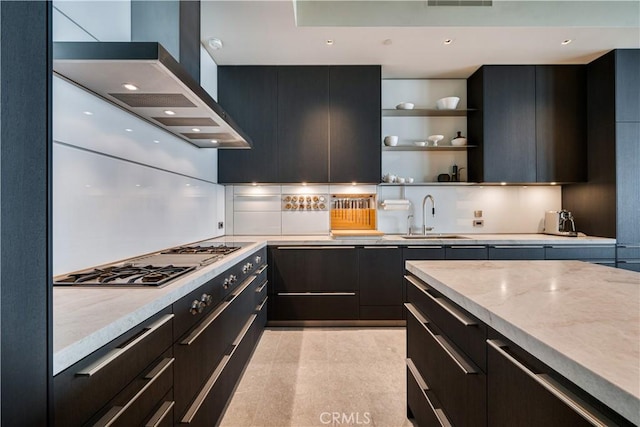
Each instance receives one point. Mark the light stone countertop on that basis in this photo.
(581, 319)
(85, 319)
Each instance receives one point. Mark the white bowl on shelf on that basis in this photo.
(459, 142)
(420, 143)
(435, 139)
(405, 106)
(448, 103)
(391, 140)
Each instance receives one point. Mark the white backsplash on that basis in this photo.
(118, 194)
(505, 209)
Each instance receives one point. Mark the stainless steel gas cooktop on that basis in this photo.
(153, 270)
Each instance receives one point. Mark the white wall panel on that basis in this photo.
(106, 209)
(106, 20)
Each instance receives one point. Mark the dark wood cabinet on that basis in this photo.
(561, 134)
(303, 124)
(380, 282)
(249, 94)
(470, 252)
(354, 124)
(308, 123)
(503, 124)
(528, 123)
(313, 283)
(505, 252)
(608, 204)
(115, 373)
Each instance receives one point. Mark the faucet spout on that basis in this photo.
(424, 213)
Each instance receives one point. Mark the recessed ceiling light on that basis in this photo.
(137, 185)
(254, 184)
(170, 113)
(195, 129)
(215, 44)
(87, 185)
(503, 183)
(88, 113)
(329, 42)
(129, 130)
(566, 42)
(214, 141)
(447, 41)
(553, 183)
(129, 86)
(354, 183)
(187, 185)
(156, 141)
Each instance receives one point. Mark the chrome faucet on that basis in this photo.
(424, 213)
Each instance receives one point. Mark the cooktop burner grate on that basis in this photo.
(198, 249)
(126, 275)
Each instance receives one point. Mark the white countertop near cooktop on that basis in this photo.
(581, 319)
(85, 319)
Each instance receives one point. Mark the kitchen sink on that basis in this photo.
(433, 236)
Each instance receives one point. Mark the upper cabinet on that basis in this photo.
(354, 123)
(627, 64)
(316, 124)
(528, 123)
(303, 124)
(249, 94)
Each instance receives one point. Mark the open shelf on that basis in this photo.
(424, 113)
(422, 184)
(426, 148)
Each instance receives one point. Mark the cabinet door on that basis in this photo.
(628, 182)
(627, 85)
(355, 120)
(314, 268)
(249, 94)
(380, 282)
(303, 124)
(422, 253)
(519, 395)
(470, 252)
(508, 110)
(561, 127)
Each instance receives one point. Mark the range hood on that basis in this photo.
(166, 95)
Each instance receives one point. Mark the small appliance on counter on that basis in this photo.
(560, 223)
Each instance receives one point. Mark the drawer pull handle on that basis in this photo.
(263, 268)
(216, 313)
(425, 247)
(517, 247)
(315, 294)
(442, 342)
(380, 247)
(117, 411)
(261, 287)
(466, 321)
(316, 247)
(259, 308)
(442, 418)
(206, 389)
(589, 414)
(467, 247)
(105, 360)
(160, 414)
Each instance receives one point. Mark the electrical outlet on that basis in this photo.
(478, 222)
(220, 225)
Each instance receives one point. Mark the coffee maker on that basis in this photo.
(559, 223)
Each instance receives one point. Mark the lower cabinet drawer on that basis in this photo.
(522, 395)
(212, 399)
(508, 252)
(458, 384)
(163, 414)
(260, 292)
(423, 409)
(83, 389)
(629, 264)
(463, 252)
(315, 306)
(199, 351)
(466, 332)
(581, 252)
(138, 400)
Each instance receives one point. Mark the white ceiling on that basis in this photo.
(265, 33)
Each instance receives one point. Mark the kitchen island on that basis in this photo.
(580, 319)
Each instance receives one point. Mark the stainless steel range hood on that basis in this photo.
(166, 95)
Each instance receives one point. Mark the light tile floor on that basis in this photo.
(306, 377)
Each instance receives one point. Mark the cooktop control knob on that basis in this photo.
(233, 279)
(206, 299)
(257, 259)
(196, 307)
(225, 283)
(247, 268)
